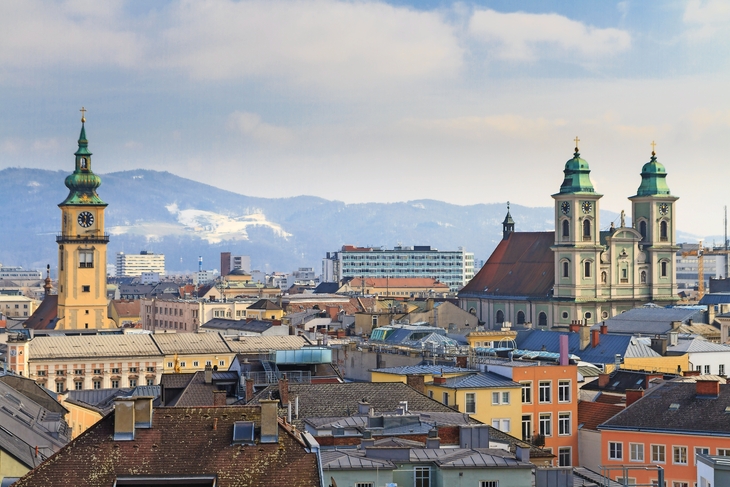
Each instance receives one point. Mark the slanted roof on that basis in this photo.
(190, 343)
(649, 320)
(93, 346)
(265, 304)
(692, 414)
(183, 442)
(604, 353)
(622, 380)
(126, 308)
(479, 380)
(255, 344)
(45, 315)
(423, 370)
(30, 389)
(591, 414)
(251, 326)
(521, 266)
(696, 345)
(397, 282)
(102, 400)
(327, 288)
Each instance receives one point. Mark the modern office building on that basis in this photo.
(230, 263)
(133, 265)
(452, 267)
(18, 273)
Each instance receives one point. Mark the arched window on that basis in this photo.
(566, 269)
(500, 316)
(566, 229)
(642, 229)
(586, 229)
(542, 319)
(665, 268)
(642, 277)
(604, 277)
(587, 268)
(520, 317)
(663, 231)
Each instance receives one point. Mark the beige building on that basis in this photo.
(185, 316)
(17, 306)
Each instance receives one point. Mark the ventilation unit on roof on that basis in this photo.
(243, 432)
(674, 406)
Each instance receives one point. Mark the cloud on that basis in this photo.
(251, 125)
(525, 37)
(706, 18)
(478, 128)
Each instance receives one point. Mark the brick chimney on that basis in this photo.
(461, 361)
(416, 382)
(707, 388)
(439, 379)
(603, 380)
(650, 377)
(633, 395)
(604, 328)
(219, 398)
(574, 326)
(284, 390)
(691, 373)
(249, 390)
(595, 338)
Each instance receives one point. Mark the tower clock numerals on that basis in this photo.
(565, 207)
(85, 219)
(587, 206)
(664, 208)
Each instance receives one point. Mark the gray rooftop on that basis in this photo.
(650, 320)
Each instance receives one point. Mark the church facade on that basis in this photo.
(82, 298)
(579, 272)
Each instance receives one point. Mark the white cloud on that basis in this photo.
(524, 36)
(251, 125)
(706, 18)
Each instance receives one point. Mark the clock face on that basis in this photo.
(587, 206)
(85, 219)
(664, 208)
(565, 207)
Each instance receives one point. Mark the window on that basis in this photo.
(78, 385)
(721, 369)
(96, 384)
(221, 363)
(544, 388)
(680, 484)
(59, 387)
(86, 258)
(132, 382)
(195, 363)
(115, 370)
(430, 394)
(500, 317)
(564, 456)
(133, 370)
(526, 392)
(701, 450)
(169, 365)
(723, 452)
(564, 391)
(566, 269)
(542, 319)
(505, 398)
(679, 455)
(85, 289)
(471, 406)
(642, 229)
(97, 371)
(664, 268)
(207, 362)
(707, 369)
(115, 384)
(495, 398)
(422, 476)
(150, 369)
(150, 382)
(445, 398)
(489, 483)
(586, 229)
(566, 229)
(636, 452)
(546, 424)
(364, 484)
(182, 364)
(564, 424)
(587, 269)
(41, 373)
(615, 450)
(658, 454)
(663, 231)
(520, 317)
(526, 427)
(501, 425)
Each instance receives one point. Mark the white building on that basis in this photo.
(705, 357)
(203, 277)
(18, 273)
(133, 265)
(452, 267)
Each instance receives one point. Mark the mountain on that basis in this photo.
(184, 219)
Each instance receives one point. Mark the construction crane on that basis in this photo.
(699, 252)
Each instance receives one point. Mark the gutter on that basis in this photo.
(314, 448)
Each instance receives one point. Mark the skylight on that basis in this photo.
(674, 406)
(243, 432)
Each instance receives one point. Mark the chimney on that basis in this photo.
(603, 380)
(208, 374)
(574, 326)
(604, 328)
(143, 411)
(649, 377)
(249, 390)
(123, 418)
(461, 361)
(429, 304)
(219, 398)
(633, 395)
(439, 379)
(367, 439)
(416, 382)
(585, 336)
(595, 338)
(659, 345)
(402, 407)
(676, 325)
(523, 454)
(564, 350)
(363, 407)
(284, 390)
(708, 388)
(476, 436)
(691, 373)
(269, 421)
(433, 440)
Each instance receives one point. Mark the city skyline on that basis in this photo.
(466, 103)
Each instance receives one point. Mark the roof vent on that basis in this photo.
(243, 433)
(674, 406)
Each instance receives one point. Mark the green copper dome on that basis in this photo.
(653, 178)
(82, 183)
(577, 176)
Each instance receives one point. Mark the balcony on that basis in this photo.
(93, 239)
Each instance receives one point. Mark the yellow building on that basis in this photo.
(490, 338)
(18, 307)
(82, 300)
(486, 397)
(191, 352)
(80, 416)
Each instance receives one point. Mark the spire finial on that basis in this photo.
(653, 147)
(576, 140)
(508, 207)
(83, 115)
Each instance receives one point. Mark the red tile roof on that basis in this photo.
(182, 442)
(44, 316)
(591, 414)
(611, 399)
(521, 265)
(126, 308)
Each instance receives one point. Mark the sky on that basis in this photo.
(374, 101)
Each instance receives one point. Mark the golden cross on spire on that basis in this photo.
(653, 146)
(576, 143)
(83, 114)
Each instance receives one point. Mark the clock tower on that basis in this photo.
(82, 301)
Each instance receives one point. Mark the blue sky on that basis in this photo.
(465, 102)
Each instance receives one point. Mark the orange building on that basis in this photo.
(668, 426)
(549, 404)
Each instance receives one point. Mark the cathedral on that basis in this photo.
(579, 272)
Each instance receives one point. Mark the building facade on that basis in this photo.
(133, 265)
(582, 271)
(18, 273)
(454, 268)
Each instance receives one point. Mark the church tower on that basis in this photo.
(577, 246)
(508, 225)
(82, 301)
(653, 214)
